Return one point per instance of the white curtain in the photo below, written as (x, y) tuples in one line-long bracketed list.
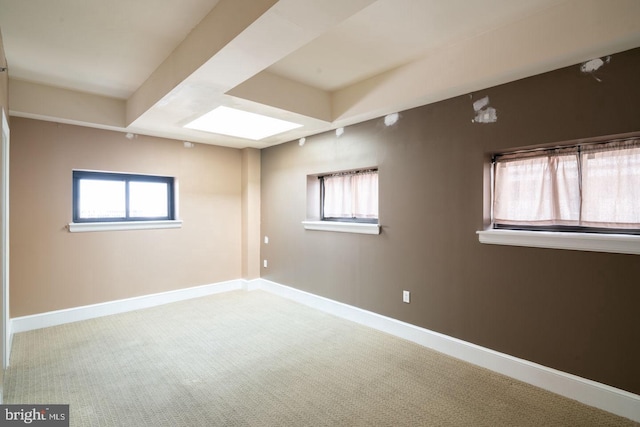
[(337, 196), (611, 185), (596, 186), (353, 195), (538, 191)]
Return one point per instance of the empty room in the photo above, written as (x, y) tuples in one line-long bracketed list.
[(320, 213)]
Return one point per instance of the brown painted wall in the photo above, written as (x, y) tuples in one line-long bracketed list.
[(570, 310), (53, 269)]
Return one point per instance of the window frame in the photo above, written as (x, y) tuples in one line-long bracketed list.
[(578, 149), (577, 240), (321, 178), (314, 221), (78, 175)]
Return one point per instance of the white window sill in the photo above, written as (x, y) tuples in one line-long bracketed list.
[(80, 227), (342, 227), (614, 243)]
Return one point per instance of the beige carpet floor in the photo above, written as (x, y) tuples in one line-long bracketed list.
[(255, 359)]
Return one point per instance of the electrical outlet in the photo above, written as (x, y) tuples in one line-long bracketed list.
[(264, 263), (406, 296), (266, 240)]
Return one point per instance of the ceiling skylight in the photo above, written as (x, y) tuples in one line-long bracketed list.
[(242, 124)]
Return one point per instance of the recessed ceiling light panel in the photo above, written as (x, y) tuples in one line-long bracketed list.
[(242, 124)]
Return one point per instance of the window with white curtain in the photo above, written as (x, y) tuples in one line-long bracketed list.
[(350, 196), (588, 188)]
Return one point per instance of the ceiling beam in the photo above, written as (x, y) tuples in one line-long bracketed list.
[(279, 92), (279, 31), (226, 21), (568, 33), (38, 101)]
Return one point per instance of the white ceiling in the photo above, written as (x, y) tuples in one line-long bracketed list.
[(151, 66)]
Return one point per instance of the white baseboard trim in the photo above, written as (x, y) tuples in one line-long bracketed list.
[(59, 317), (586, 391)]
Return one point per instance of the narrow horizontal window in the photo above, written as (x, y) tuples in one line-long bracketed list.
[(591, 188), (349, 197), (118, 197)]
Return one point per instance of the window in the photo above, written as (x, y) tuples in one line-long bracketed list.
[(591, 188), (118, 197), (350, 197), (345, 202)]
